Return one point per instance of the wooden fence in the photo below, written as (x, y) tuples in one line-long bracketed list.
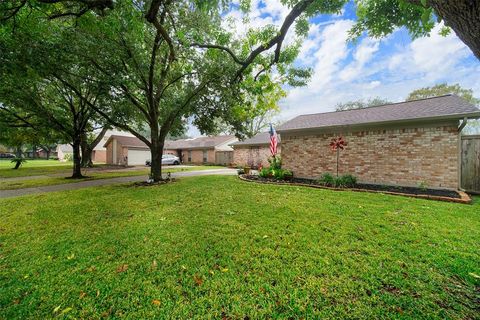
[(470, 165)]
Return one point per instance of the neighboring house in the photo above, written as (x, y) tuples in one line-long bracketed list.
[(64, 152), (254, 152), (213, 149), (409, 143), (99, 153), (132, 151)]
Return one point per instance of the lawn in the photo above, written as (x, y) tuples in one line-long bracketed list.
[(217, 247), (92, 175), (33, 168)]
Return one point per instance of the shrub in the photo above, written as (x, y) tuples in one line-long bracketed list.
[(275, 163), (327, 179), (68, 157), (345, 181), (264, 172)]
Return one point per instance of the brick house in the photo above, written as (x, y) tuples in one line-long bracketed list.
[(255, 151), (124, 150), (407, 143)]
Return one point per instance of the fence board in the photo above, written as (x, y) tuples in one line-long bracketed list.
[(471, 163)]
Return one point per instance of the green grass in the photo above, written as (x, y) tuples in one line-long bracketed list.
[(33, 168), (216, 247), (91, 175)]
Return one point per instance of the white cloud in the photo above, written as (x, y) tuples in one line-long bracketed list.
[(387, 68)]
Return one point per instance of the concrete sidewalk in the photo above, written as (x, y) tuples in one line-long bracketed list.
[(104, 182)]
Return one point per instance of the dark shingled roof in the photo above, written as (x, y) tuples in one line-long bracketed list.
[(259, 139), (442, 107), (195, 143)]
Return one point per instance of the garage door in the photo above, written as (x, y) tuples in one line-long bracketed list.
[(138, 157)]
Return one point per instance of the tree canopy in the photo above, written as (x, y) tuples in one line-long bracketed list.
[(361, 104)]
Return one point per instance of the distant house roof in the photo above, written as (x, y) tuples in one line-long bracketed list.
[(126, 141), (436, 108), (200, 142), (194, 143), (262, 138), (64, 148)]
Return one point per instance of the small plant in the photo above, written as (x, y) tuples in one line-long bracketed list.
[(18, 162), (423, 185), (264, 173), (348, 181), (345, 181), (275, 162), (68, 157), (327, 179)]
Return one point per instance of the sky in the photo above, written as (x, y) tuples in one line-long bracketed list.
[(389, 68)]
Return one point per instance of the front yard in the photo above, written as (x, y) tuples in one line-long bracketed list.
[(217, 247), (99, 172)]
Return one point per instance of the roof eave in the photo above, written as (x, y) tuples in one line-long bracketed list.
[(471, 115)]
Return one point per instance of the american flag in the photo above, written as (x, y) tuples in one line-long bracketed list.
[(273, 141)]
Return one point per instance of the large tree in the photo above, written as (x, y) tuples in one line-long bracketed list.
[(361, 104), (166, 62), (378, 17), (43, 87), (381, 17)]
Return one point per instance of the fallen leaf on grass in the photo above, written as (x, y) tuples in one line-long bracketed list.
[(198, 280), (154, 264), (56, 309), (156, 302), (476, 276), (66, 310), (122, 268), (70, 257), (224, 269), (82, 294)]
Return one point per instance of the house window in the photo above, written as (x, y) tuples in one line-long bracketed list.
[(205, 156), (189, 155)]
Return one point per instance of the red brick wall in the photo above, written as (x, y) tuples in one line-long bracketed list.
[(399, 156), (197, 156)]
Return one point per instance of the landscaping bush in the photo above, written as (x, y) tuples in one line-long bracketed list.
[(327, 179), (264, 172), (275, 163), (275, 170), (345, 181)]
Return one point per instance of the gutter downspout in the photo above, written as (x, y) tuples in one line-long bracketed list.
[(460, 128)]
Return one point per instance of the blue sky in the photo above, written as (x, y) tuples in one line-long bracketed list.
[(389, 68)]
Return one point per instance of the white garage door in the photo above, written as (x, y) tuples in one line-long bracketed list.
[(138, 157)]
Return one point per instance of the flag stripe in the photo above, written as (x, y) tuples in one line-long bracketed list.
[(273, 141)]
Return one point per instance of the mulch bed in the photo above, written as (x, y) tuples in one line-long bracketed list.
[(433, 194)]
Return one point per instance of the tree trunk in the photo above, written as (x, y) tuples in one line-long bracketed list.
[(48, 153), (77, 164), (87, 148), (156, 163), (18, 152), (463, 16), (86, 154)]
